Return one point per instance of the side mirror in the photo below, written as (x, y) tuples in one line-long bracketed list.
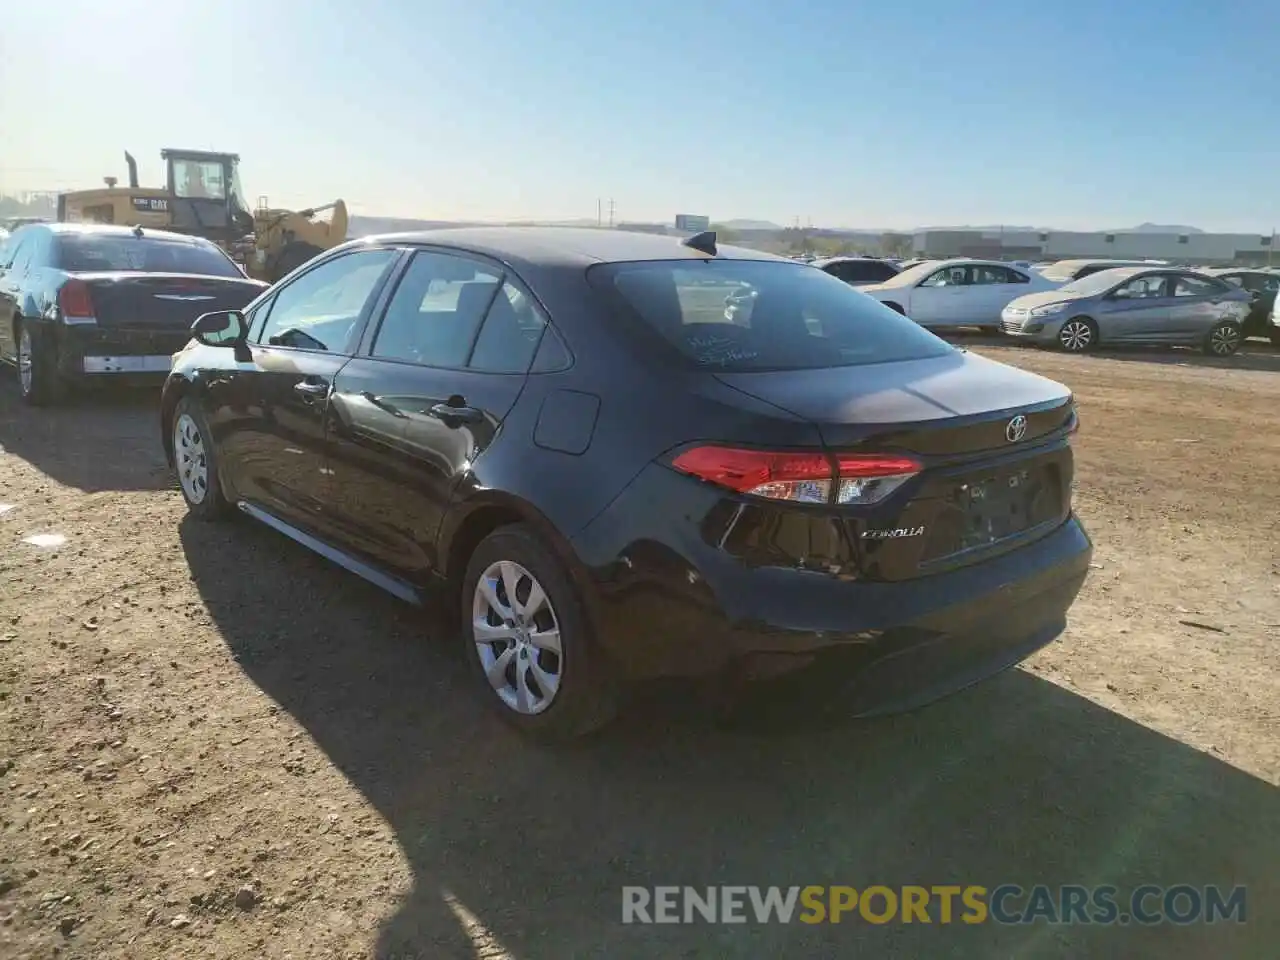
[(222, 328)]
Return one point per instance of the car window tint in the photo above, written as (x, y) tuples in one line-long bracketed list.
[(102, 252), (1194, 287), (319, 310), (761, 315), (1236, 280), (510, 333), (436, 310), (552, 353)]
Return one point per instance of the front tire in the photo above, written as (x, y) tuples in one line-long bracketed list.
[(529, 639), (196, 460), (1224, 339), (1078, 335), (38, 377)]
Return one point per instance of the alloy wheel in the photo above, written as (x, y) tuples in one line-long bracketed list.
[(24, 360), (1224, 340), (517, 637), (189, 454), (1075, 335)]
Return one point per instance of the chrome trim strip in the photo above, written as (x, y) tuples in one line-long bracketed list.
[(397, 588)]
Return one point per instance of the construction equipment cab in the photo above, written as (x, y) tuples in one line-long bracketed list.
[(205, 196)]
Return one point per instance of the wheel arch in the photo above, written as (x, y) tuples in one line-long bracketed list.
[(175, 388), (473, 519)]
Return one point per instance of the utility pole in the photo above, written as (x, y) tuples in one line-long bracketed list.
[(610, 213), (599, 214), (1271, 246)]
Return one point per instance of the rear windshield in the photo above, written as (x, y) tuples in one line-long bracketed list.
[(87, 252), (728, 315)]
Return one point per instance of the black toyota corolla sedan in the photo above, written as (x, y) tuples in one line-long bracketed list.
[(561, 432)]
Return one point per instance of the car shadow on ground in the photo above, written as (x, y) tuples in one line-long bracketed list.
[(1254, 354), (526, 849), (97, 440)]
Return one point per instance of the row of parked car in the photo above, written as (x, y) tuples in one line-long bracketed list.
[(560, 437), (1076, 304)]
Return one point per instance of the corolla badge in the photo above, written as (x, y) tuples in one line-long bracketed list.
[(1016, 429), (894, 534)]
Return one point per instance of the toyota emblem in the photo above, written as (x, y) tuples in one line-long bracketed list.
[(1016, 429)]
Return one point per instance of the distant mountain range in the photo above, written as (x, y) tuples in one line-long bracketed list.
[(363, 226)]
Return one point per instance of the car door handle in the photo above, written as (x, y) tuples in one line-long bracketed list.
[(461, 414), (312, 388)]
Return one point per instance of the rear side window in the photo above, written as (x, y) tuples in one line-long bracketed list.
[(89, 252), (742, 315), (436, 310)]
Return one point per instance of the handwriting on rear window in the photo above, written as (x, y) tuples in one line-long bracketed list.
[(719, 351)]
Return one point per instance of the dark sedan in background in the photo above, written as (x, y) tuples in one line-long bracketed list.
[(558, 432), (82, 301)]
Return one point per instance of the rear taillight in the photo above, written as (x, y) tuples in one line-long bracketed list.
[(853, 479), (74, 302)]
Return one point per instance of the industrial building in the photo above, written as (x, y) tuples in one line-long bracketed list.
[(1001, 244)]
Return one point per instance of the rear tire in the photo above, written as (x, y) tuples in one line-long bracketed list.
[(38, 378), (529, 640), (1078, 335), (895, 306), (1224, 339), (196, 459)]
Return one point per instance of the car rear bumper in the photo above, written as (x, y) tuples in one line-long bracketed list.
[(91, 351), (667, 605)]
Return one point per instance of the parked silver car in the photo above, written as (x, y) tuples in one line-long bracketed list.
[(1133, 305)]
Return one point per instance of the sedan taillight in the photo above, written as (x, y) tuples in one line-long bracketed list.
[(74, 301), (852, 479)]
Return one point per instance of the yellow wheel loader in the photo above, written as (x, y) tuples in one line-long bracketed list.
[(203, 196)]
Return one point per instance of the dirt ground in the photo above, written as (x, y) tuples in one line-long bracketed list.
[(214, 744)]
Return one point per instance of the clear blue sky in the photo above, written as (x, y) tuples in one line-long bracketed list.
[(881, 114)]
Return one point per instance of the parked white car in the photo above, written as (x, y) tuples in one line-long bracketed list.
[(958, 293)]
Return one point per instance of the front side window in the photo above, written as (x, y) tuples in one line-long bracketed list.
[(744, 315), (1142, 288), (436, 310), (948, 277), (320, 309)]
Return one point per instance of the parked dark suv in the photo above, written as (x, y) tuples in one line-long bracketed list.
[(559, 431)]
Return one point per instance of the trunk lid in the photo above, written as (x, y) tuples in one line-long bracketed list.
[(992, 441), (163, 302)]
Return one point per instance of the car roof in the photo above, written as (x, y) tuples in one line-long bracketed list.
[(851, 258), (118, 230), (1263, 271), (542, 247), (967, 262), (1119, 262)]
